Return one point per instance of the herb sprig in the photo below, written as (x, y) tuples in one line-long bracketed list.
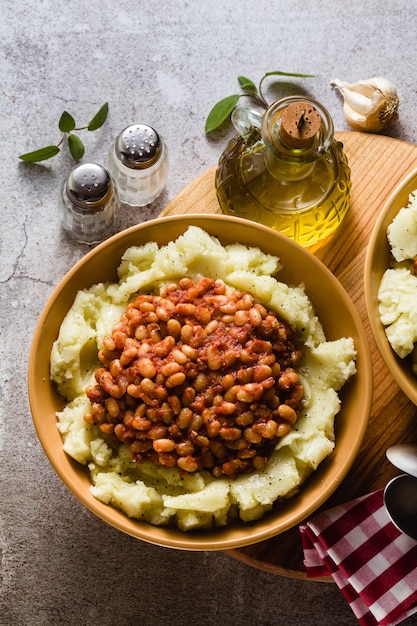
[(224, 108), (68, 128)]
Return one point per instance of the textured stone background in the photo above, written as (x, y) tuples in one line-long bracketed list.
[(165, 63)]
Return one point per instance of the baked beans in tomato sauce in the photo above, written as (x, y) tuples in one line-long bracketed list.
[(200, 377)]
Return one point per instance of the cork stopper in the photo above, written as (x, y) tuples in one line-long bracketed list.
[(299, 125)]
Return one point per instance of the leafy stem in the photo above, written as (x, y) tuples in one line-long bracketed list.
[(68, 128), (223, 109)]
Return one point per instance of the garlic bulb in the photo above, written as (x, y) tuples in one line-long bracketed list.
[(369, 105)]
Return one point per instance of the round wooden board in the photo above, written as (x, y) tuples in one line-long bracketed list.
[(377, 164)]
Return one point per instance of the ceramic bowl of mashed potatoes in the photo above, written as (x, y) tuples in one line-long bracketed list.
[(391, 284), (148, 486)]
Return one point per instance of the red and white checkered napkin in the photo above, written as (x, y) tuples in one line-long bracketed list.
[(373, 563)]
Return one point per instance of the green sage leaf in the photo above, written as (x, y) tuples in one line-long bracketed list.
[(76, 147), (40, 155), (289, 74), (66, 123), (99, 118), (247, 84), (220, 112)]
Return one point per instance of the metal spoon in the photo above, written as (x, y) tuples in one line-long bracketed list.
[(404, 456), (400, 499)]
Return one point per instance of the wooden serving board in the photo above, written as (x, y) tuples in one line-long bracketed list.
[(377, 164)]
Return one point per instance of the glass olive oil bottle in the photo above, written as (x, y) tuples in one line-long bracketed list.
[(286, 170)]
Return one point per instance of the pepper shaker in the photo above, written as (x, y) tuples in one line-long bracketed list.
[(138, 164), (88, 204)]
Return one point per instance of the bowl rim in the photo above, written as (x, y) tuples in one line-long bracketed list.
[(377, 245), (249, 532)]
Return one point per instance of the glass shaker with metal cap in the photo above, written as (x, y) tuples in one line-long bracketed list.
[(88, 204), (138, 164)]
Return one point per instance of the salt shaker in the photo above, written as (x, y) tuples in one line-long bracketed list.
[(88, 204), (138, 164)]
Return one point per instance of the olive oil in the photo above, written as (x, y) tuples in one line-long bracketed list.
[(301, 192)]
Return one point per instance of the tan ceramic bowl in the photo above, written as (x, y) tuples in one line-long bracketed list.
[(339, 318), (378, 259)]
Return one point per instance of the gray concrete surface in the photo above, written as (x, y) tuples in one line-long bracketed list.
[(166, 63)]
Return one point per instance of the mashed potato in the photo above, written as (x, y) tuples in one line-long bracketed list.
[(162, 495), (397, 294)]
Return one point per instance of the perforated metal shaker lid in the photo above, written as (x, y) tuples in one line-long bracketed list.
[(138, 146), (89, 186)]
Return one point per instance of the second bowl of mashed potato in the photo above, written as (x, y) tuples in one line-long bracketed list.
[(391, 284)]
